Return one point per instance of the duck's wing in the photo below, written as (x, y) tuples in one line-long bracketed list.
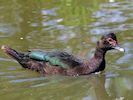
[(56, 58)]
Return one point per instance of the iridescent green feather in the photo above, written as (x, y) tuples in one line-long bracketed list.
[(46, 57)]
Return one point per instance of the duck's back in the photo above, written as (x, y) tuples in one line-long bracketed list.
[(56, 58)]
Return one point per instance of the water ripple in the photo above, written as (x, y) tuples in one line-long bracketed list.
[(116, 15), (25, 80)]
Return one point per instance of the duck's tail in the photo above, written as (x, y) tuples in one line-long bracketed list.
[(23, 59), (12, 53)]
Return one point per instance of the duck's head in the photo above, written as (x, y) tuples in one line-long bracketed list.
[(109, 42)]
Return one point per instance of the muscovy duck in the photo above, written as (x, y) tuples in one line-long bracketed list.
[(57, 62)]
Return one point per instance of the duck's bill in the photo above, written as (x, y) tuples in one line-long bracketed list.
[(119, 48)]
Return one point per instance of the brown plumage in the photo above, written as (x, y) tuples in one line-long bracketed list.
[(64, 63)]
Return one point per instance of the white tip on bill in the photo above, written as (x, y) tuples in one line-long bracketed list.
[(119, 48)]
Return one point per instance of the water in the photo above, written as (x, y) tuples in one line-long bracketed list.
[(73, 26)]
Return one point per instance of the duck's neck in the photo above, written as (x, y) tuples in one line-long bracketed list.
[(99, 53), (99, 58)]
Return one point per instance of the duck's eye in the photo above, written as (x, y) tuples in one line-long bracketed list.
[(109, 40)]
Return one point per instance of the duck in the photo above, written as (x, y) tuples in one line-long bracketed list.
[(63, 63)]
